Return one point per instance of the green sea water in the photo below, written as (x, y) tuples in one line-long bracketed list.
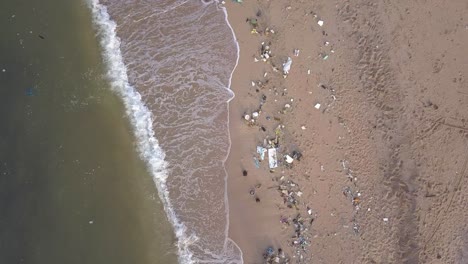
[(72, 187)]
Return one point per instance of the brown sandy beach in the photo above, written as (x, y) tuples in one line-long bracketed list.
[(382, 173)]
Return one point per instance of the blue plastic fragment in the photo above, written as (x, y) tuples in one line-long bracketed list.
[(257, 163), (30, 92), (270, 251)]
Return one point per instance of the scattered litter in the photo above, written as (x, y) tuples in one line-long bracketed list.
[(317, 106), (265, 52), (272, 160), (288, 190), (91, 222), (356, 228), (253, 22), (289, 159), (296, 155), (255, 114), (385, 219), (320, 22), (296, 52), (238, 1), (287, 66), (325, 57), (271, 257), (301, 239), (308, 71), (247, 117), (257, 163), (303, 127), (3, 70), (261, 151), (270, 251), (253, 83)]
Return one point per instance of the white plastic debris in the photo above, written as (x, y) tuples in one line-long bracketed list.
[(91, 222), (296, 52), (385, 219), (287, 66), (309, 211), (3, 70), (256, 60), (261, 151), (303, 127), (287, 106), (255, 114), (289, 159), (320, 22), (272, 160), (299, 193), (308, 71), (247, 117), (317, 106), (253, 83)]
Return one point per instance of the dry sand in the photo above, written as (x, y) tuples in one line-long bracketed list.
[(384, 160)]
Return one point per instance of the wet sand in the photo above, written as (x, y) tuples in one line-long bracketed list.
[(383, 167)]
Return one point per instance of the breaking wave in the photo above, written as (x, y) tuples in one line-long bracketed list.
[(141, 119), (150, 151)]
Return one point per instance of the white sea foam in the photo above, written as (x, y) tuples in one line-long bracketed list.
[(141, 119)]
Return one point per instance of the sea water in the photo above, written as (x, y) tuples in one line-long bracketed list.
[(171, 62), (73, 188)]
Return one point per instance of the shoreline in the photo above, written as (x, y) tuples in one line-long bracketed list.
[(362, 103)]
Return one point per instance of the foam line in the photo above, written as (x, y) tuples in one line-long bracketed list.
[(226, 17), (141, 119)]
